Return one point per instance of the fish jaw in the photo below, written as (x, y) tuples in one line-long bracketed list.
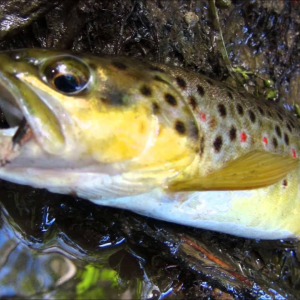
[(51, 137), (47, 120)]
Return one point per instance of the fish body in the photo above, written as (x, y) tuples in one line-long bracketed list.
[(151, 138)]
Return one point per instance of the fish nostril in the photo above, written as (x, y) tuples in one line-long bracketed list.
[(17, 54)]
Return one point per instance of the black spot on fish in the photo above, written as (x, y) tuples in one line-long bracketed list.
[(119, 65), (286, 139), (146, 91), (202, 144), (181, 82), (218, 142), (222, 110), (284, 182), (230, 95), (278, 131), (192, 102), (275, 142), (240, 109), (200, 90), (252, 116), (155, 108), (171, 99), (209, 82), (180, 127), (114, 98), (157, 69), (232, 134)]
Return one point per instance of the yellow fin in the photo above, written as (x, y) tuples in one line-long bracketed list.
[(253, 170)]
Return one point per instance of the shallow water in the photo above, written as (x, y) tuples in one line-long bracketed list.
[(37, 266)]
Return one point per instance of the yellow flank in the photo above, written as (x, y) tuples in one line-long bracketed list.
[(115, 135), (165, 149)]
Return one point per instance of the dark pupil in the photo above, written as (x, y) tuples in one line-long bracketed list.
[(67, 83)]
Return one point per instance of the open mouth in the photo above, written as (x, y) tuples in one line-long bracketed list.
[(14, 128), (14, 123), (33, 87), (29, 110)]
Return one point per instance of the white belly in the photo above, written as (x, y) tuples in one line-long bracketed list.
[(213, 210), (266, 213)]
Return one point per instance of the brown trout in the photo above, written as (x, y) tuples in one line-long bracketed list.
[(154, 139)]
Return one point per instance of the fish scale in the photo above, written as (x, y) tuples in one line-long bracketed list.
[(151, 138)]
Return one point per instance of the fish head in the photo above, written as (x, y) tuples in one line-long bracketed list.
[(87, 110)]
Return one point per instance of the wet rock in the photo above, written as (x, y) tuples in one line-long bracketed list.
[(17, 14)]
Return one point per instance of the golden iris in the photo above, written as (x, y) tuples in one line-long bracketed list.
[(66, 74)]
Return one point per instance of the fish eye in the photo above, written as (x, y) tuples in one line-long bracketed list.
[(66, 74)]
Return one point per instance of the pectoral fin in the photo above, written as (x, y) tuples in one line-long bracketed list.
[(254, 170)]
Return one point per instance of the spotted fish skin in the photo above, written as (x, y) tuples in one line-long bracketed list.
[(151, 138), (232, 123)]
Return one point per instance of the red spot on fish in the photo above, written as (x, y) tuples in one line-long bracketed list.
[(294, 153), (265, 140), (202, 116), (243, 137)]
